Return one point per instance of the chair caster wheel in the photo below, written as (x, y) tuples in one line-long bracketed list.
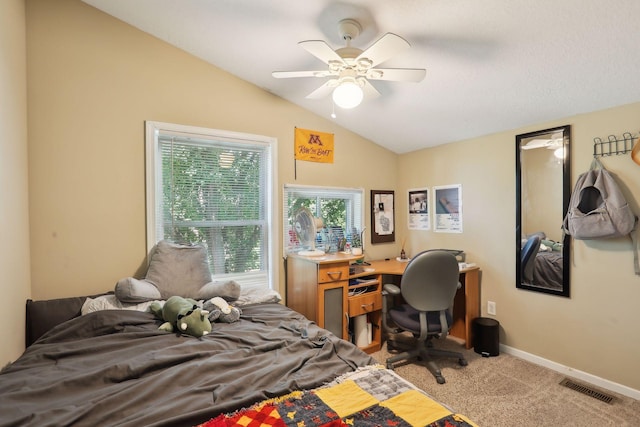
[(463, 362), (440, 379), (390, 366)]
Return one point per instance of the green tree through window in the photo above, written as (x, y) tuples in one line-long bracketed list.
[(339, 208), (202, 203), (216, 191)]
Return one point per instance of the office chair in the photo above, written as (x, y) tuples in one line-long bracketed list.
[(528, 258), (428, 287)]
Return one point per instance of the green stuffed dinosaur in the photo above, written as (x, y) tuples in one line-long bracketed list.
[(184, 315)]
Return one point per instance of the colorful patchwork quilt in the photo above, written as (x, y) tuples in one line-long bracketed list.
[(370, 396)]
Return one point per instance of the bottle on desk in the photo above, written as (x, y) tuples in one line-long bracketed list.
[(403, 254)]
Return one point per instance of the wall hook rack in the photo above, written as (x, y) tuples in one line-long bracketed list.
[(613, 146)]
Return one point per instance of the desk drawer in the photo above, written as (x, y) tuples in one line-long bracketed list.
[(365, 303), (333, 273)]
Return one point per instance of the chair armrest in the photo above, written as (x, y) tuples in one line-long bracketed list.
[(391, 289)]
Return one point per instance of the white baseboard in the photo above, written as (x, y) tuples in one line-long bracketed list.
[(574, 373)]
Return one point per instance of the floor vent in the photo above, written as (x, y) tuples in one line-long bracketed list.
[(580, 388)]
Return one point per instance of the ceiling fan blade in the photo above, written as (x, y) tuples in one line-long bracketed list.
[(321, 50), (323, 90), (384, 48), (369, 90), (397, 74), (554, 142), (291, 74), (536, 143)]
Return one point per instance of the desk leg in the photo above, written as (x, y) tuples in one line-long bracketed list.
[(466, 307), (473, 302)]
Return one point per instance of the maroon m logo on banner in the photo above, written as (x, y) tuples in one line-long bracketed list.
[(315, 139)]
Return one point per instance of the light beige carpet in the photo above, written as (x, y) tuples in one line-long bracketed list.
[(508, 391)]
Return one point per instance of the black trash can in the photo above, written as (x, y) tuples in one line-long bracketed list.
[(486, 336)]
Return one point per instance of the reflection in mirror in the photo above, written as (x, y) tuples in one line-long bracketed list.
[(543, 189)]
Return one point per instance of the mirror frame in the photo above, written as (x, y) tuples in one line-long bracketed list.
[(566, 194)]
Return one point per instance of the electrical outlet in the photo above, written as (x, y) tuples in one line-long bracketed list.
[(491, 308)]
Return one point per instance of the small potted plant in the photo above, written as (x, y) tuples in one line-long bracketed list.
[(356, 243)]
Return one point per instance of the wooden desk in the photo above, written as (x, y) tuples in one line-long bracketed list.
[(466, 305), (318, 287)]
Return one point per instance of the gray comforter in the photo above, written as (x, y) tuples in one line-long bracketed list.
[(547, 270), (115, 368)]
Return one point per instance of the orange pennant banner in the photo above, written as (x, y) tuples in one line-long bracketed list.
[(313, 146)]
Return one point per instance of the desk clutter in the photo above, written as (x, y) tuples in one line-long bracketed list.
[(361, 331), (358, 268), (363, 285), (458, 253)]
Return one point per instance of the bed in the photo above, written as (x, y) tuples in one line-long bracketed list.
[(547, 270), (114, 367)]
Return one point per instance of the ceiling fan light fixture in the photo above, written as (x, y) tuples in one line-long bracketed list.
[(348, 94), (559, 153)]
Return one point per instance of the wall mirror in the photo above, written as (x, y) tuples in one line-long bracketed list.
[(543, 189)]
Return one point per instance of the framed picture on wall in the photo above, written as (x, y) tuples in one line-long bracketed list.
[(419, 209), (447, 208), (382, 217)]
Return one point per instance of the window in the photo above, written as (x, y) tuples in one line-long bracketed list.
[(340, 209), (216, 188)]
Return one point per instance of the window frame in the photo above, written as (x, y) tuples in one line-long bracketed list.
[(153, 181), (315, 191)]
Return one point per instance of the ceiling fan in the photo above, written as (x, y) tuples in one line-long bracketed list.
[(350, 69), (555, 143)]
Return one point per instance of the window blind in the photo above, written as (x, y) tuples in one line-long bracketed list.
[(216, 191)]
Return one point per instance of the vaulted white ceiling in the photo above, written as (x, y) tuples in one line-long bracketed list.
[(492, 65)]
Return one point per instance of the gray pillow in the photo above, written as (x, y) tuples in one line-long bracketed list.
[(176, 269)]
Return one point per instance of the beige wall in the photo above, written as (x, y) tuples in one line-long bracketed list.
[(14, 209), (93, 81), (594, 331)]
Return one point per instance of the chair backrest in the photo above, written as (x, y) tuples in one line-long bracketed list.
[(528, 258), (430, 281)]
